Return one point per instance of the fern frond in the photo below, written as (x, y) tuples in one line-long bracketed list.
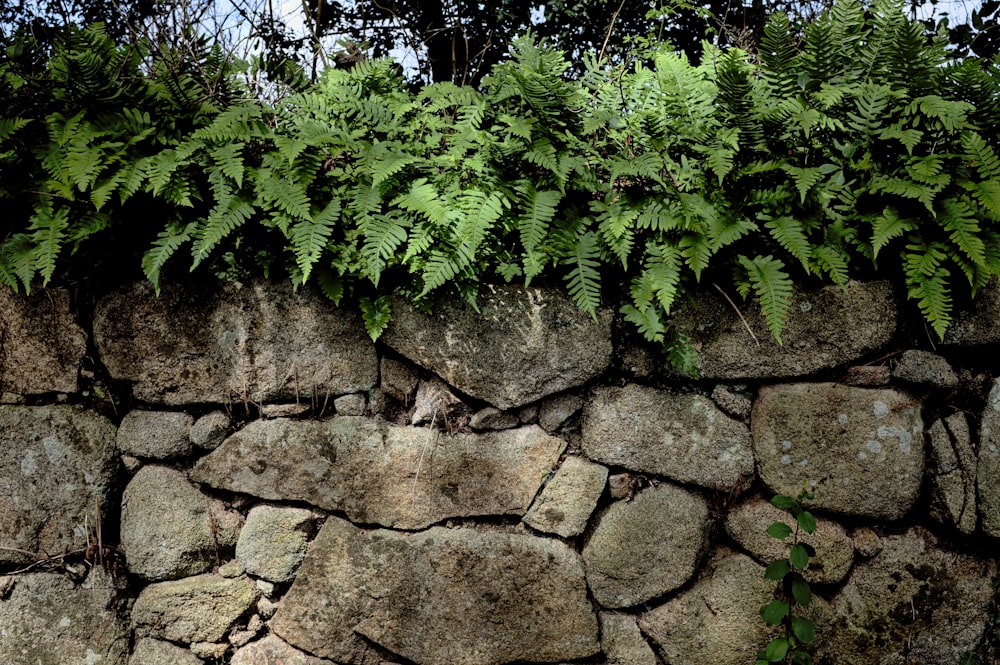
[(981, 155), (584, 278), (833, 261), (376, 314), (17, 262), (767, 277), (423, 198), (887, 226), (382, 234), (789, 233), (959, 220), (804, 177), (309, 237), (48, 229), (168, 241), (927, 283), (539, 209), (646, 320), (225, 218)]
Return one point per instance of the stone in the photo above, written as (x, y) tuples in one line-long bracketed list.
[(988, 465), (953, 483), (718, 620), (169, 529), (622, 485), (350, 405), (158, 652), (399, 380), (924, 368), (378, 473), (436, 404), (683, 437), (622, 642), (522, 345), (57, 474), (867, 543), (977, 325), (273, 541), (266, 608), (555, 411), (566, 503), (209, 431), (867, 376), (456, 596), (283, 410), (914, 598), (263, 342), (493, 418), (231, 569), (47, 620), (647, 547), (155, 434), (41, 344), (732, 401), (747, 524), (827, 327), (273, 651), (241, 636), (195, 609), (210, 651), (861, 450)]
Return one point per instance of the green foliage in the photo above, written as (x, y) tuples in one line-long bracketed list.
[(856, 148), (797, 633)]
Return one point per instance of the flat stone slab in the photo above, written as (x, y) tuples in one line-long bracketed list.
[(272, 651), (567, 501), (41, 344), (827, 327), (953, 484), (861, 451), (57, 468), (263, 342), (523, 343), (439, 596), (195, 609), (377, 473), (683, 437), (644, 548), (155, 434), (988, 464)]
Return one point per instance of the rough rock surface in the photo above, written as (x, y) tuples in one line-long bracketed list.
[(157, 652), (403, 477), (399, 380), (194, 609), (273, 541), (440, 596), (865, 312), (46, 620), (555, 411), (262, 342), (977, 325), (522, 345), (912, 597), (644, 548), (622, 642), (33, 360), (155, 434), (924, 367), (718, 620), (567, 501), (747, 525), (272, 651), (169, 529), (988, 466), (862, 451), (953, 485), (209, 431), (435, 403), (684, 437), (57, 465), (493, 418)]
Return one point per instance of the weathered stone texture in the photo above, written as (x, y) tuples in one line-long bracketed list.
[(403, 477), (567, 501), (262, 342), (273, 541), (209, 431), (865, 316), (155, 434), (622, 642), (978, 324), (169, 529), (157, 652), (440, 596), (41, 344), (194, 609), (272, 651), (57, 469), (522, 345), (683, 437), (644, 548), (861, 451), (46, 620), (988, 466), (747, 525), (953, 483), (924, 367)]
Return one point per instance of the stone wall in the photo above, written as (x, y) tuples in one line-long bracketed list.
[(241, 476)]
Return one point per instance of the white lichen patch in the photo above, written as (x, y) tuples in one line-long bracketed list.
[(786, 445), (785, 459), (880, 409), (28, 465), (842, 418)]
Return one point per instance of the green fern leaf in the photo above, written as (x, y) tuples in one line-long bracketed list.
[(224, 219), (539, 209), (887, 226), (981, 155), (833, 261), (647, 320), (789, 233), (584, 279), (927, 283), (309, 237), (958, 219), (987, 193), (376, 314), (382, 235), (229, 159), (423, 198), (767, 277), (167, 243), (49, 231), (17, 262)]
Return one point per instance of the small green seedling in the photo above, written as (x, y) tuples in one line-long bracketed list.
[(798, 632)]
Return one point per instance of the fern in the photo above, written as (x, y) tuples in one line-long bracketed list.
[(788, 232), (309, 237), (767, 278), (166, 244), (927, 282), (584, 280), (376, 313)]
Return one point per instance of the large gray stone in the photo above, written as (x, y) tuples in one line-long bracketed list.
[(272, 651), (169, 529), (41, 344), (57, 470), (644, 548), (977, 325), (747, 525), (261, 342), (273, 541), (155, 434), (827, 327), (924, 368), (911, 598), (953, 484), (47, 620), (377, 473), (622, 642), (683, 437), (523, 343), (988, 466), (567, 501), (194, 609), (861, 451), (157, 652), (454, 596)]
